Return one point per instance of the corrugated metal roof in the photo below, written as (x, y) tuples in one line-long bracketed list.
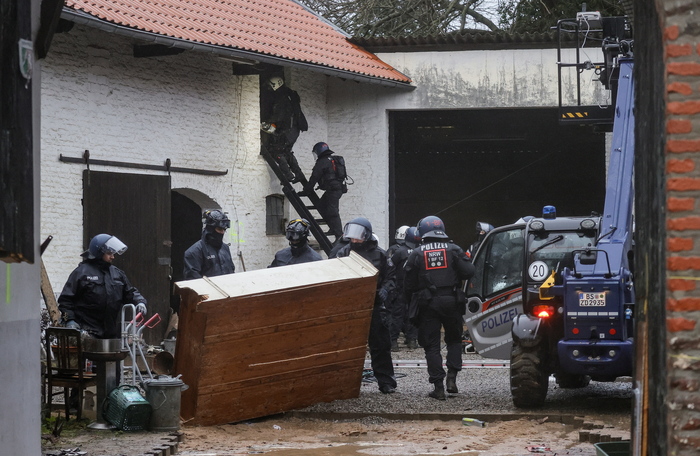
[(272, 30)]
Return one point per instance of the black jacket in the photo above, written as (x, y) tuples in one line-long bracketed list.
[(370, 251), (203, 259), (323, 174), (94, 296), (399, 254), (278, 107), (437, 265), (295, 256)]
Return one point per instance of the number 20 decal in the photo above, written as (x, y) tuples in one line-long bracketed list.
[(538, 270)]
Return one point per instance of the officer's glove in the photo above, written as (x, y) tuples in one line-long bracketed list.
[(141, 308), (72, 324), (383, 294), (268, 127)]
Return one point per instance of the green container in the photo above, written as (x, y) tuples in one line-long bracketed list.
[(622, 448), (126, 409)]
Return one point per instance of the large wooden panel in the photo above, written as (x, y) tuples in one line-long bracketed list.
[(262, 342)]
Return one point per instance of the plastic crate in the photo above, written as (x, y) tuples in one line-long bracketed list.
[(126, 409), (622, 448)]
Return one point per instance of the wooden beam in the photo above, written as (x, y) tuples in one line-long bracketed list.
[(47, 290), (49, 297)]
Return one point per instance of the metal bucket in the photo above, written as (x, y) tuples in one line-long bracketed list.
[(163, 393), (103, 349), (163, 363), (169, 345)]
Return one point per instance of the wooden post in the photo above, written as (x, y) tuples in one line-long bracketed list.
[(49, 297)]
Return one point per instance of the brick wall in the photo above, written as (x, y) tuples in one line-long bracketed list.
[(682, 57)]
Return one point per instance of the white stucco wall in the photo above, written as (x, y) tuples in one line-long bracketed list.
[(188, 107), (490, 79), (191, 109), (358, 113)]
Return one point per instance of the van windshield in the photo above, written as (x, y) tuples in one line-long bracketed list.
[(554, 248)]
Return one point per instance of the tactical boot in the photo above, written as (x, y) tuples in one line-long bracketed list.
[(451, 381), (395, 346), (412, 344), (438, 393)]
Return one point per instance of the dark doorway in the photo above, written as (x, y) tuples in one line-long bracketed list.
[(186, 229), (136, 209), (491, 165)]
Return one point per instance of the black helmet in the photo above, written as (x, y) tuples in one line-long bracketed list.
[(432, 227), (413, 240), (104, 243), (216, 219), (358, 228), (297, 230), (319, 149)]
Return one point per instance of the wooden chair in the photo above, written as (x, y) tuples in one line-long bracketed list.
[(65, 366)]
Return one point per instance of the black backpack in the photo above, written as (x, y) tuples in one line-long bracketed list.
[(341, 171)]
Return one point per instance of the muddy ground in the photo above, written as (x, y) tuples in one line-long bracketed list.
[(289, 435), (407, 422)]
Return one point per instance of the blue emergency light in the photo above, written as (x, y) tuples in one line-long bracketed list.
[(549, 212)]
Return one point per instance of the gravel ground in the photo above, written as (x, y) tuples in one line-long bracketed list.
[(483, 391), (484, 394)]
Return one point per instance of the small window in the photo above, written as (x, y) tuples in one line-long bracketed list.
[(275, 218)]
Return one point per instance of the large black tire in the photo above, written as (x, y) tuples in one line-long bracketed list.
[(572, 381), (528, 378)]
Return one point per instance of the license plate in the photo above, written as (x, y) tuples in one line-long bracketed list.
[(591, 299)]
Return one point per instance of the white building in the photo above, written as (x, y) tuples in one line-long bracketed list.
[(200, 111)]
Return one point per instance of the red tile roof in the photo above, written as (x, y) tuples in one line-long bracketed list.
[(273, 29)]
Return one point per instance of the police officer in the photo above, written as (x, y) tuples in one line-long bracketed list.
[(482, 229), (210, 256), (434, 272), (327, 179), (299, 251), (398, 253), (359, 233), (281, 123), (410, 331), (96, 291)]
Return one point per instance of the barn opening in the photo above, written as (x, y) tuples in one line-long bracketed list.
[(491, 165)]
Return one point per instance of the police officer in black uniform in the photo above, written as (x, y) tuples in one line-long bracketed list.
[(434, 272), (280, 122), (327, 179), (96, 291), (359, 233), (299, 251), (482, 229), (210, 256), (398, 253)]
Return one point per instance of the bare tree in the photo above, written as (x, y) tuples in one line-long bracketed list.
[(373, 18), (392, 18), (540, 15)]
